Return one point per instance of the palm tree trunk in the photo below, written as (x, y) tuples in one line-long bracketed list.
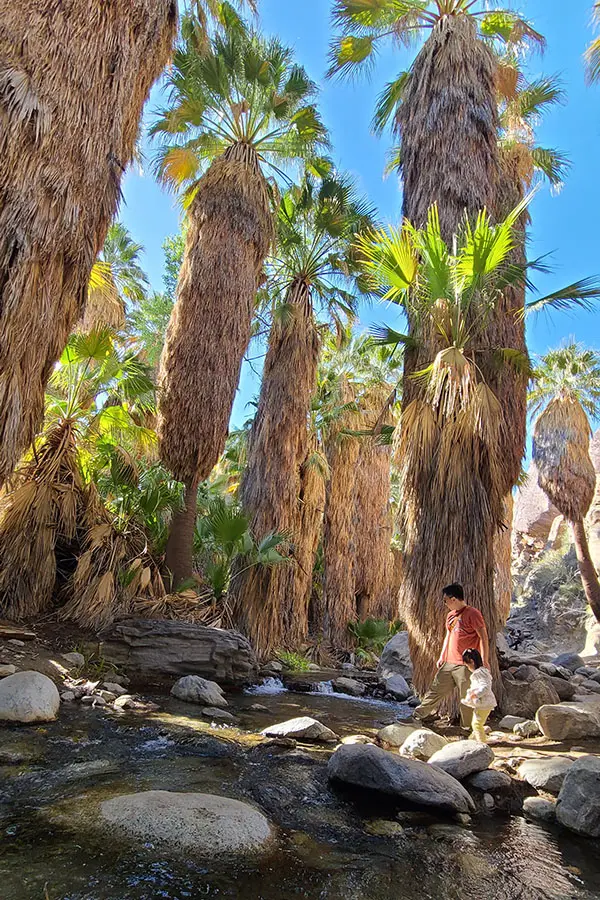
[(448, 125), (179, 549), (503, 563), (589, 576), (71, 113), (264, 598)]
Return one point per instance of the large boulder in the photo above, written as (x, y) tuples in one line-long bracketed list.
[(422, 744), (565, 723), (194, 689), (578, 806), (191, 823), (490, 781), (397, 686), (302, 729), (546, 774), (565, 690), (463, 758), (350, 686), (395, 734), (395, 658), (164, 647), (523, 698), (28, 697), (571, 661), (404, 780)]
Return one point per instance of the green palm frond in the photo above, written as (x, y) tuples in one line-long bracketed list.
[(581, 294), (570, 372)]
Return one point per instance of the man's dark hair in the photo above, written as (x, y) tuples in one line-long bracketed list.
[(473, 656), (455, 591)]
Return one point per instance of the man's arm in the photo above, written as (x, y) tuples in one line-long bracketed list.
[(442, 656), (484, 644)]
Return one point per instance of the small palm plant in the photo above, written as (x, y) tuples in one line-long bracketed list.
[(566, 394)]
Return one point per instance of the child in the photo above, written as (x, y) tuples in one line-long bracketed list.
[(479, 696)]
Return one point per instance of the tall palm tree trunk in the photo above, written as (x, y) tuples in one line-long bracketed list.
[(272, 485), (73, 81), (179, 549), (587, 570), (229, 234), (448, 125)]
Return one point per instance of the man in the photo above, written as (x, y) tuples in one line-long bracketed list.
[(465, 630)]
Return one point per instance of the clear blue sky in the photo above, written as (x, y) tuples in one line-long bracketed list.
[(565, 224)]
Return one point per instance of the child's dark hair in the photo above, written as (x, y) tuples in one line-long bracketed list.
[(473, 656), (455, 591)]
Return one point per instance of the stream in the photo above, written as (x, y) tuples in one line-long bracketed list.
[(328, 846)]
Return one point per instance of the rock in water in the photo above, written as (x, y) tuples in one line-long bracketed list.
[(539, 809), (422, 744), (578, 806), (563, 723), (545, 774), (194, 689), (370, 768), (218, 715), (463, 758), (28, 697), (395, 659), (302, 729), (348, 686), (398, 687), (490, 781), (163, 647), (201, 823)]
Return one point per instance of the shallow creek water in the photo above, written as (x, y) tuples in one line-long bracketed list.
[(328, 845)]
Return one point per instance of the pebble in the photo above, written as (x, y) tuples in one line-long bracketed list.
[(67, 696), (488, 801), (7, 670), (258, 707), (15, 642)]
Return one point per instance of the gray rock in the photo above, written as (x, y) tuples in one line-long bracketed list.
[(565, 690), (564, 673), (571, 661), (527, 729), (258, 707), (591, 685), (93, 700), (462, 758), (509, 722), (422, 744), (563, 723), (117, 689), (75, 660), (545, 774), (523, 698), (164, 647), (108, 696), (200, 823), (6, 670), (394, 735), (578, 806), (539, 809), (371, 768), (275, 666), (588, 671), (526, 673), (194, 689), (28, 697), (549, 669), (348, 686), (126, 701), (398, 687), (114, 678), (395, 658), (218, 715), (488, 801), (490, 780), (302, 729), (67, 696)]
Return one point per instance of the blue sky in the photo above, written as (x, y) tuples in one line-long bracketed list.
[(564, 224)]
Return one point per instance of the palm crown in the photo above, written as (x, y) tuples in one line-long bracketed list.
[(570, 372), (243, 89)]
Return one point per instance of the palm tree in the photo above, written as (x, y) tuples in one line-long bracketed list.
[(592, 55), (72, 109), (566, 393), (235, 108), (312, 275)]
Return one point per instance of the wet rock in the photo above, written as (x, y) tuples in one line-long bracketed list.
[(194, 689), (539, 809), (527, 729), (67, 696), (28, 697), (462, 758), (422, 744), (302, 729), (545, 774), (571, 661), (525, 698), (509, 722), (6, 670), (578, 806), (164, 647), (563, 723), (357, 739), (258, 707), (394, 735), (93, 700), (114, 678), (200, 823), (76, 660), (218, 715), (390, 775), (397, 686), (384, 828), (490, 781), (117, 689), (302, 687), (395, 658), (348, 686)]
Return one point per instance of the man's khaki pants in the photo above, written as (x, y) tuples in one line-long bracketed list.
[(448, 678)]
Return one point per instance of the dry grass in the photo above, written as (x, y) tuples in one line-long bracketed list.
[(269, 602), (70, 109), (229, 234)]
